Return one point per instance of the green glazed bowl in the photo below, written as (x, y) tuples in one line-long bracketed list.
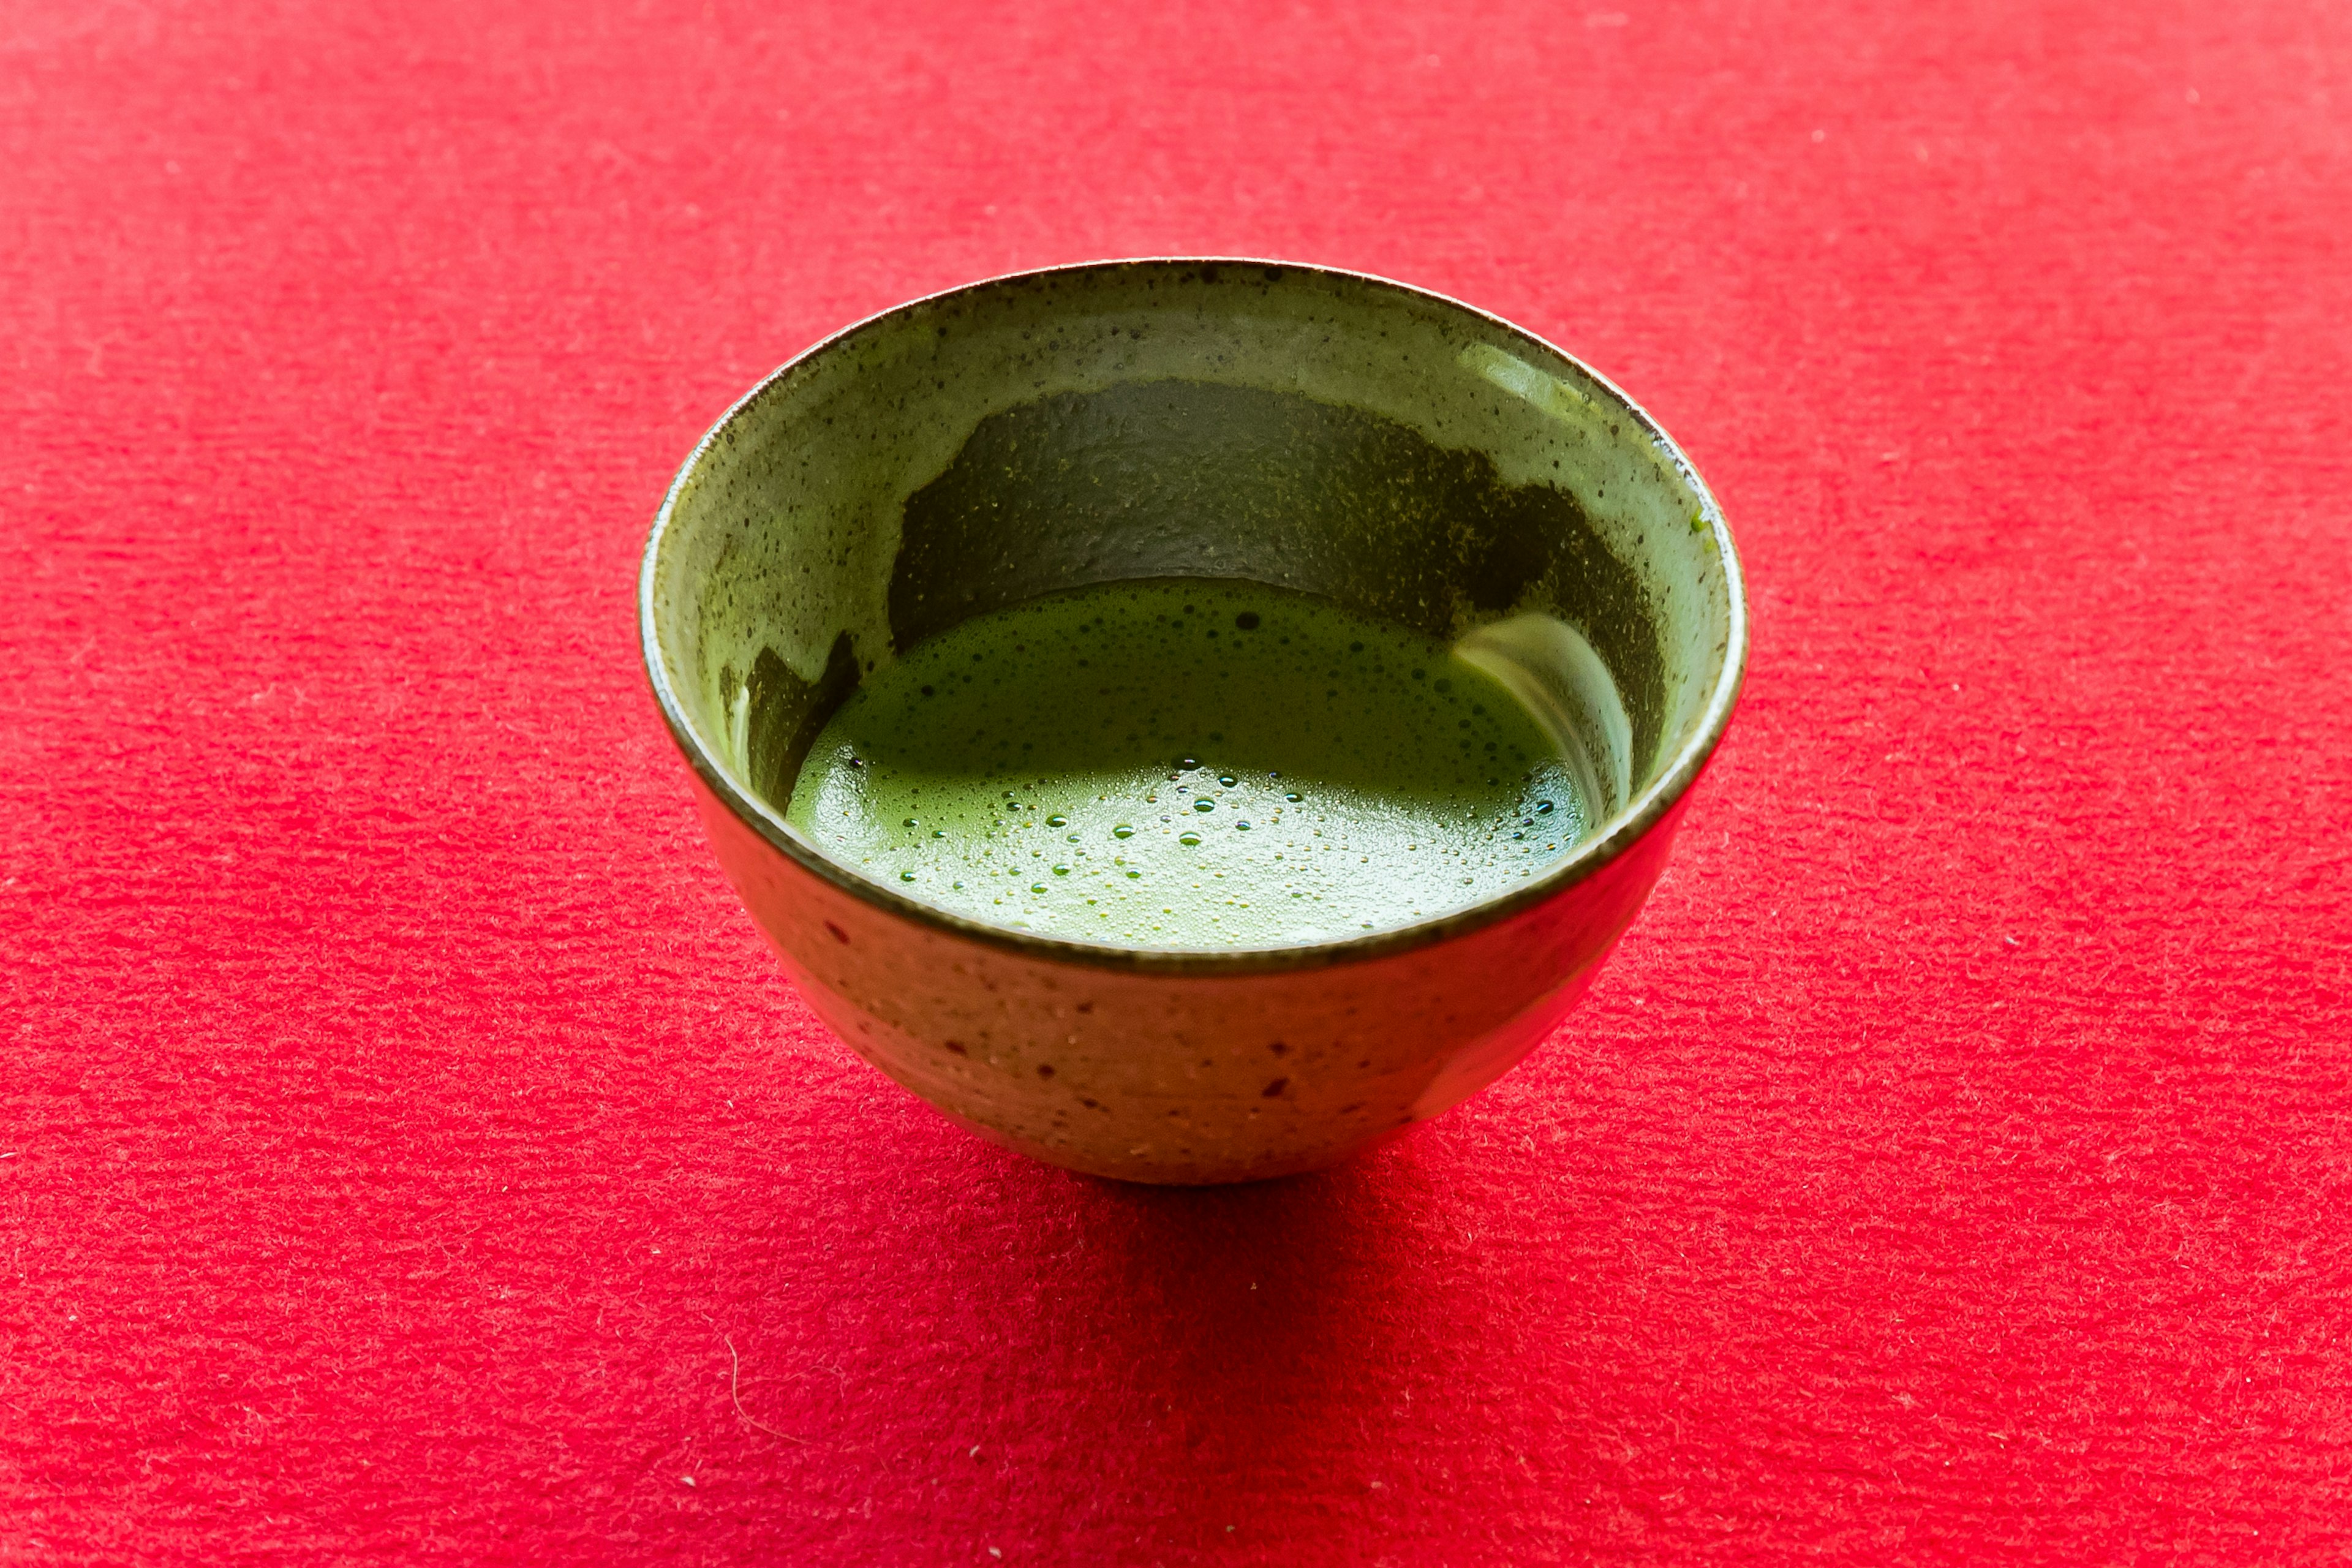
[(1398, 452)]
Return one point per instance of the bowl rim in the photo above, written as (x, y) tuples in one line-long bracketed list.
[(1623, 831)]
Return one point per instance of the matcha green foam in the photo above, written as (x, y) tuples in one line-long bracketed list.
[(1188, 764)]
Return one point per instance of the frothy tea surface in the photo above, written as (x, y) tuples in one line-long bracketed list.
[(1188, 764)]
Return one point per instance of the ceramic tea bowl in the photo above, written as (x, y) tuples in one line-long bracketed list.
[(1395, 451)]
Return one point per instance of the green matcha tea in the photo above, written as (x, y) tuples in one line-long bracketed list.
[(1188, 764)]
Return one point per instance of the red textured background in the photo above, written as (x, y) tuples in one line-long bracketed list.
[(403, 1134)]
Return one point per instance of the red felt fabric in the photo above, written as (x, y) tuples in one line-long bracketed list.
[(408, 1152)]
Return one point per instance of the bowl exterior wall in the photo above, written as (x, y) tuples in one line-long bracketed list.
[(1146, 1073)]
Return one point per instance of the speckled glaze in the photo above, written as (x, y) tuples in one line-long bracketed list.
[(1318, 430)]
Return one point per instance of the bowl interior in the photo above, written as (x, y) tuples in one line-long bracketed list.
[(1337, 435)]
